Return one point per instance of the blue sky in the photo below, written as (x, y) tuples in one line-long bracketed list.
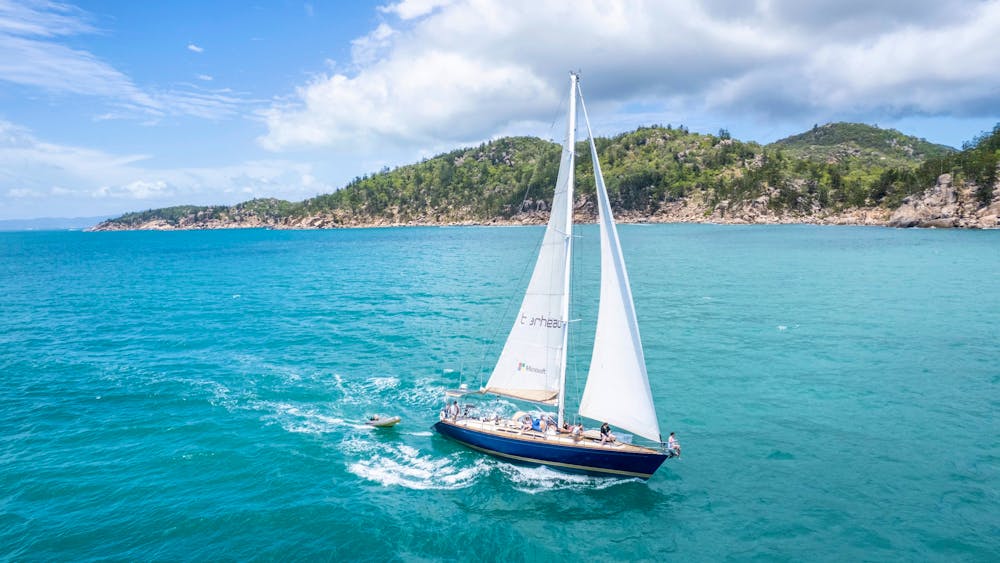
[(109, 107)]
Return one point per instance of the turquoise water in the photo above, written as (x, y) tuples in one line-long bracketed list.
[(198, 395)]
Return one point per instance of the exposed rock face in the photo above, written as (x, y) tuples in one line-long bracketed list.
[(759, 211), (948, 206)]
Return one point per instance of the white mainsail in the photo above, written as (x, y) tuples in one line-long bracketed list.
[(617, 389), (533, 361)]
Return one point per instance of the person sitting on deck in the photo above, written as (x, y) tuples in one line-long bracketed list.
[(547, 422), (673, 446), (525, 422), (577, 432), (606, 435), (537, 424)]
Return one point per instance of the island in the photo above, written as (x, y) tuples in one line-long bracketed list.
[(837, 174)]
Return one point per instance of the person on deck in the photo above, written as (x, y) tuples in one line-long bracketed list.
[(525, 423), (548, 422), (673, 446), (606, 435), (453, 410)]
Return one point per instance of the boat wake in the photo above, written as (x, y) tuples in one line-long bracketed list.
[(534, 480), (381, 389), (401, 465), (304, 420), (405, 466)]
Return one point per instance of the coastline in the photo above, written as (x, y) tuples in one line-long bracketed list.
[(874, 217), (943, 206)]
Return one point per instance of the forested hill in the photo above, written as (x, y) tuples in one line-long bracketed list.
[(653, 173), (839, 141)]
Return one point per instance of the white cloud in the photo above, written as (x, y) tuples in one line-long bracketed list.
[(205, 77), (195, 48), (138, 189), (54, 67), (366, 50), (39, 178), (445, 72), (31, 54), (941, 69), (400, 104), (46, 20), (410, 9), (23, 193)]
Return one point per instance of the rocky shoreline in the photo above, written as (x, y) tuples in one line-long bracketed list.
[(943, 206)]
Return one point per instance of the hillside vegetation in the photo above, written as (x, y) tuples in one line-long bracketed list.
[(830, 168), (837, 142)]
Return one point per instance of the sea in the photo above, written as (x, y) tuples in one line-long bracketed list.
[(201, 395)]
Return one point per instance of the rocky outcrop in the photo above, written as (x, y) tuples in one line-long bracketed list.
[(759, 211), (948, 206)]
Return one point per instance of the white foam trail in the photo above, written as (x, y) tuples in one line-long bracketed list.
[(383, 383), (394, 465), (350, 392), (301, 420), (424, 398), (534, 480), (221, 395), (405, 466)]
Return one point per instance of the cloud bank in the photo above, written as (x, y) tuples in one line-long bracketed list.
[(438, 71)]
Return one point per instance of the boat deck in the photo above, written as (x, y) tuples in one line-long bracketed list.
[(512, 429)]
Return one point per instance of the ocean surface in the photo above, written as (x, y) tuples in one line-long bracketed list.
[(200, 396)]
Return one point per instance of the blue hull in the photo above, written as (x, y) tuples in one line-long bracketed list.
[(603, 461)]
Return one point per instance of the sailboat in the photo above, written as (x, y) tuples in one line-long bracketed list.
[(532, 364)]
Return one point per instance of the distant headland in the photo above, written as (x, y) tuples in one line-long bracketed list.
[(838, 174)]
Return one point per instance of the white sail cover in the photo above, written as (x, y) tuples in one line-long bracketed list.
[(533, 359), (617, 389)]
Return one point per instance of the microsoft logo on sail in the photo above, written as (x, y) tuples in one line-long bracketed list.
[(523, 367)]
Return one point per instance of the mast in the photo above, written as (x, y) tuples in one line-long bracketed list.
[(571, 143)]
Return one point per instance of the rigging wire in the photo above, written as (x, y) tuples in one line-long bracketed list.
[(555, 116)]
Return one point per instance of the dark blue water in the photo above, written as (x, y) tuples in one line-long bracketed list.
[(199, 395)]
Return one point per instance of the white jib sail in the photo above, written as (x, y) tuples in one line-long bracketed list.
[(531, 363), (617, 389)]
